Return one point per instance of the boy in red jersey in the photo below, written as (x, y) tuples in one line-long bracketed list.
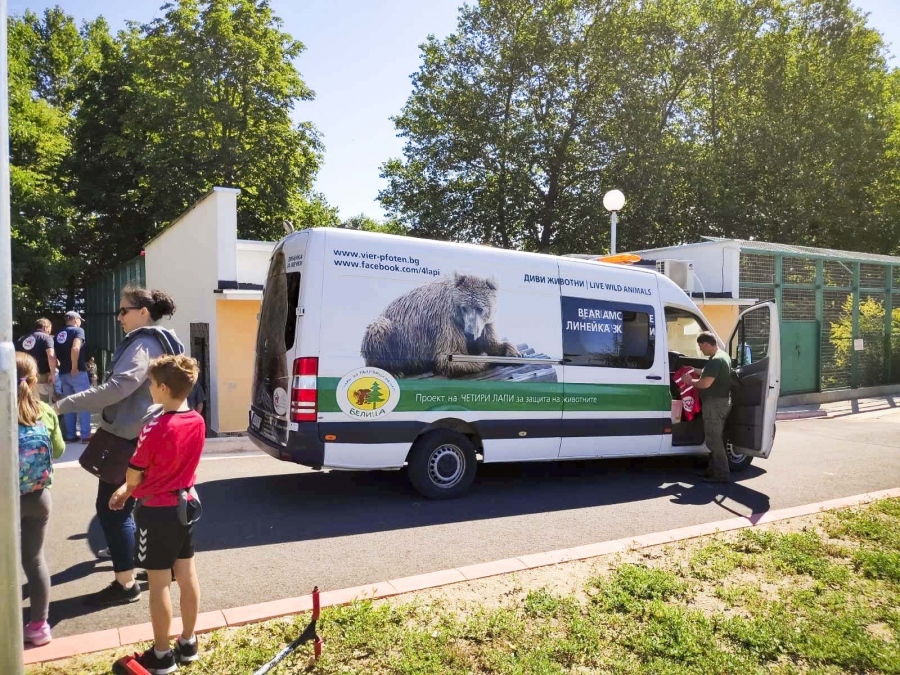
[(161, 476)]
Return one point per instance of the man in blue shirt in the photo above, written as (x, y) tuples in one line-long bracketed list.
[(73, 374), (39, 343)]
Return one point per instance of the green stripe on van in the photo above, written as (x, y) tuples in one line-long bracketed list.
[(424, 395)]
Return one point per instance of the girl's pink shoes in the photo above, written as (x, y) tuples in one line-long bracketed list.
[(37, 633)]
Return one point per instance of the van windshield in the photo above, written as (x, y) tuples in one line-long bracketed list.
[(276, 335)]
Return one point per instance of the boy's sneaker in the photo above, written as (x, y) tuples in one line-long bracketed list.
[(186, 652), (104, 553), (39, 633), (156, 665), (114, 594)]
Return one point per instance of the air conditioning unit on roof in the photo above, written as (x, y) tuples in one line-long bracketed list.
[(679, 271)]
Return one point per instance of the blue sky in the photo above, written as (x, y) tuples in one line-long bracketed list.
[(358, 59)]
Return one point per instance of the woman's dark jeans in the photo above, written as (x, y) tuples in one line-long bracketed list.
[(118, 527)]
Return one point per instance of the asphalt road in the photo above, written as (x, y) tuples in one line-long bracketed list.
[(272, 530)]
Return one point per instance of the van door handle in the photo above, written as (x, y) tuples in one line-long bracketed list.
[(654, 377)]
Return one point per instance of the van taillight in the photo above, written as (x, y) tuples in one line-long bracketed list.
[(303, 390)]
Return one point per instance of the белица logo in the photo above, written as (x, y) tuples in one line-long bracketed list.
[(368, 393)]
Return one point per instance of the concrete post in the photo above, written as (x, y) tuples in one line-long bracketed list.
[(10, 594)]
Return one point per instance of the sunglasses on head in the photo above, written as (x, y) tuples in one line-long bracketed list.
[(124, 310)]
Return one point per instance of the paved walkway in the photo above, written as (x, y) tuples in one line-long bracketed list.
[(228, 445), (238, 616), (840, 408)]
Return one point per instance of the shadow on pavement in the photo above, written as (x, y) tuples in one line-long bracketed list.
[(703, 493), (278, 508), (68, 608)]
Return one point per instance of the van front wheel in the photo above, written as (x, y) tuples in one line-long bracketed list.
[(442, 464)]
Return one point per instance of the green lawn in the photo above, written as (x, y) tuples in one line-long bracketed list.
[(822, 598)]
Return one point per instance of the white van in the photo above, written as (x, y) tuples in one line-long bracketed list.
[(378, 352)]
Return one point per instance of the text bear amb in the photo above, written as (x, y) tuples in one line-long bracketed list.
[(395, 352), (420, 330)]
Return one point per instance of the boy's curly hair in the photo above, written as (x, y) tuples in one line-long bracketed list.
[(178, 373)]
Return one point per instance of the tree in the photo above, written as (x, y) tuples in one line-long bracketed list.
[(752, 120), (367, 224), (317, 212), (199, 97), (498, 142), (375, 395), (871, 330), (47, 57)]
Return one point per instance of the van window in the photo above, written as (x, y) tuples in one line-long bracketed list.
[(293, 297), (277, 332), (607, 334), (751, 344), (682, 329)]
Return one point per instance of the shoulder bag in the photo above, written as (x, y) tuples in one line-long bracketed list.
[(107, 456)]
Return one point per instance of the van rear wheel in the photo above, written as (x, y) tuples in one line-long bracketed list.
[(442, 464)]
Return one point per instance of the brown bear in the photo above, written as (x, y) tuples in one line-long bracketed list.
[(417, 332)]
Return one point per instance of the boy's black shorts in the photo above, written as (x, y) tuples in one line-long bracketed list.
[(161, 539)]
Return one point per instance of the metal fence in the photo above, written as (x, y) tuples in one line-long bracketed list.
[(101, 304), (840, 318)]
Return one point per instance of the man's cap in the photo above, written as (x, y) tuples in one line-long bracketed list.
[(73, 315)]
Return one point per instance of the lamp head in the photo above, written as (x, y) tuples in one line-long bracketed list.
[(613, 200)]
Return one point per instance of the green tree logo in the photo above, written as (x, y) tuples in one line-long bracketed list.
[(375, 395)]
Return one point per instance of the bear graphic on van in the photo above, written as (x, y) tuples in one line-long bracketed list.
[(417, 332)]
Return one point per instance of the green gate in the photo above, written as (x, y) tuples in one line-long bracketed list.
[(799, 357), (851, 300), (101, 305)]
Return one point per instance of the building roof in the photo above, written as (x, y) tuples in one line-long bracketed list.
[(807, 251)]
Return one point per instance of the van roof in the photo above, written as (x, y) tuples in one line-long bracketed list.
[(353, 233)]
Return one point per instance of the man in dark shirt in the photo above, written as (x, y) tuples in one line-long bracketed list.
[(73, 374), (39, 343), (714, 385), (197, 398)]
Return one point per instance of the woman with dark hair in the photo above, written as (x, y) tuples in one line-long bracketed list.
[(123, 402)]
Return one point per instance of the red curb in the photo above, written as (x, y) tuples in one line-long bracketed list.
[(492, 569), (534, 560), (595, 550), (420, 582), (239, 616), (75, 645)]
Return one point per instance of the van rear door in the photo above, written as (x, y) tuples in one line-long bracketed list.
[(278, 332), (755, 349)]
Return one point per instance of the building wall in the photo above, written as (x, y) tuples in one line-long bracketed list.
[(722, 318), (716, 264), (253, 261), (236, 347), (187, 260)]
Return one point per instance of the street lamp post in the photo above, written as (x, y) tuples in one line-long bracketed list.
[(613, 201)]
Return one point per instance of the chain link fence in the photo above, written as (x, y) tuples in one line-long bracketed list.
[(854, 304)]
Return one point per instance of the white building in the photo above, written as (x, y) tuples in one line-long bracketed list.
[(216, 281)]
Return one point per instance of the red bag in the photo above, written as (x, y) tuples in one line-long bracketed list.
[(689, 399)]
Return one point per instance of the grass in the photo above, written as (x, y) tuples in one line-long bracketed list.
[(824, 600)]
